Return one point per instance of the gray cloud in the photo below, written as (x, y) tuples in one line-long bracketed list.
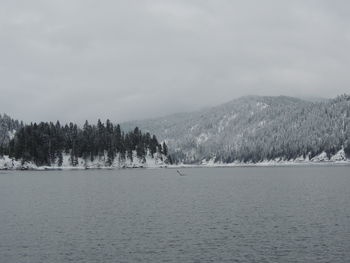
[(83, 59)]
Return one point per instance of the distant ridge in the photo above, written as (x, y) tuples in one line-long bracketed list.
[(254, 129)]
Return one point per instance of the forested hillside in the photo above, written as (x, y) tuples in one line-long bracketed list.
[(46, 143), (253, 129), (248, 129)]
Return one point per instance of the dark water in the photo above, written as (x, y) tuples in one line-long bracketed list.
[(299, 214)]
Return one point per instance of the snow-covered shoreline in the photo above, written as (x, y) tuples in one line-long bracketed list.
[(262, 164), (158, 161), (322, 159), (177, 166)]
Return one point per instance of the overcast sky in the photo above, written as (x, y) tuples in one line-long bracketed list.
[(81, 59)]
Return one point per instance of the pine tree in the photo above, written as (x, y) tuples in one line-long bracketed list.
[(165, 149)]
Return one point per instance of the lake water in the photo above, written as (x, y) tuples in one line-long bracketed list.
[(299, 214)]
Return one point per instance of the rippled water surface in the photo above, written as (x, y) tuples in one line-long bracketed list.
[(299, 214)]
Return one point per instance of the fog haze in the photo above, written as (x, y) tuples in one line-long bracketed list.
[(124, 60)]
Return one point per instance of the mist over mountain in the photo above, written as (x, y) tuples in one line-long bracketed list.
[(254, 128)]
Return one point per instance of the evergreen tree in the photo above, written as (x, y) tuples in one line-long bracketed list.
[(164, 149)]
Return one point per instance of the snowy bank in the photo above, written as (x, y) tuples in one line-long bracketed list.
[(322, 159), (158, 160)]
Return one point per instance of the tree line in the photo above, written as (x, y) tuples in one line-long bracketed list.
[(45, 143)]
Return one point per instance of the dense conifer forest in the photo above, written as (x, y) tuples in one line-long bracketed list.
[(254, 129), (45, 143), (248, 129)]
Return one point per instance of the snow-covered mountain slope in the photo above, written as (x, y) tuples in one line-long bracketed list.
[(254, 129)]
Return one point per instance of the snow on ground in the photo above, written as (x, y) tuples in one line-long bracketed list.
[(338, 158), (158, 160), (9, 163), (322, 157)]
